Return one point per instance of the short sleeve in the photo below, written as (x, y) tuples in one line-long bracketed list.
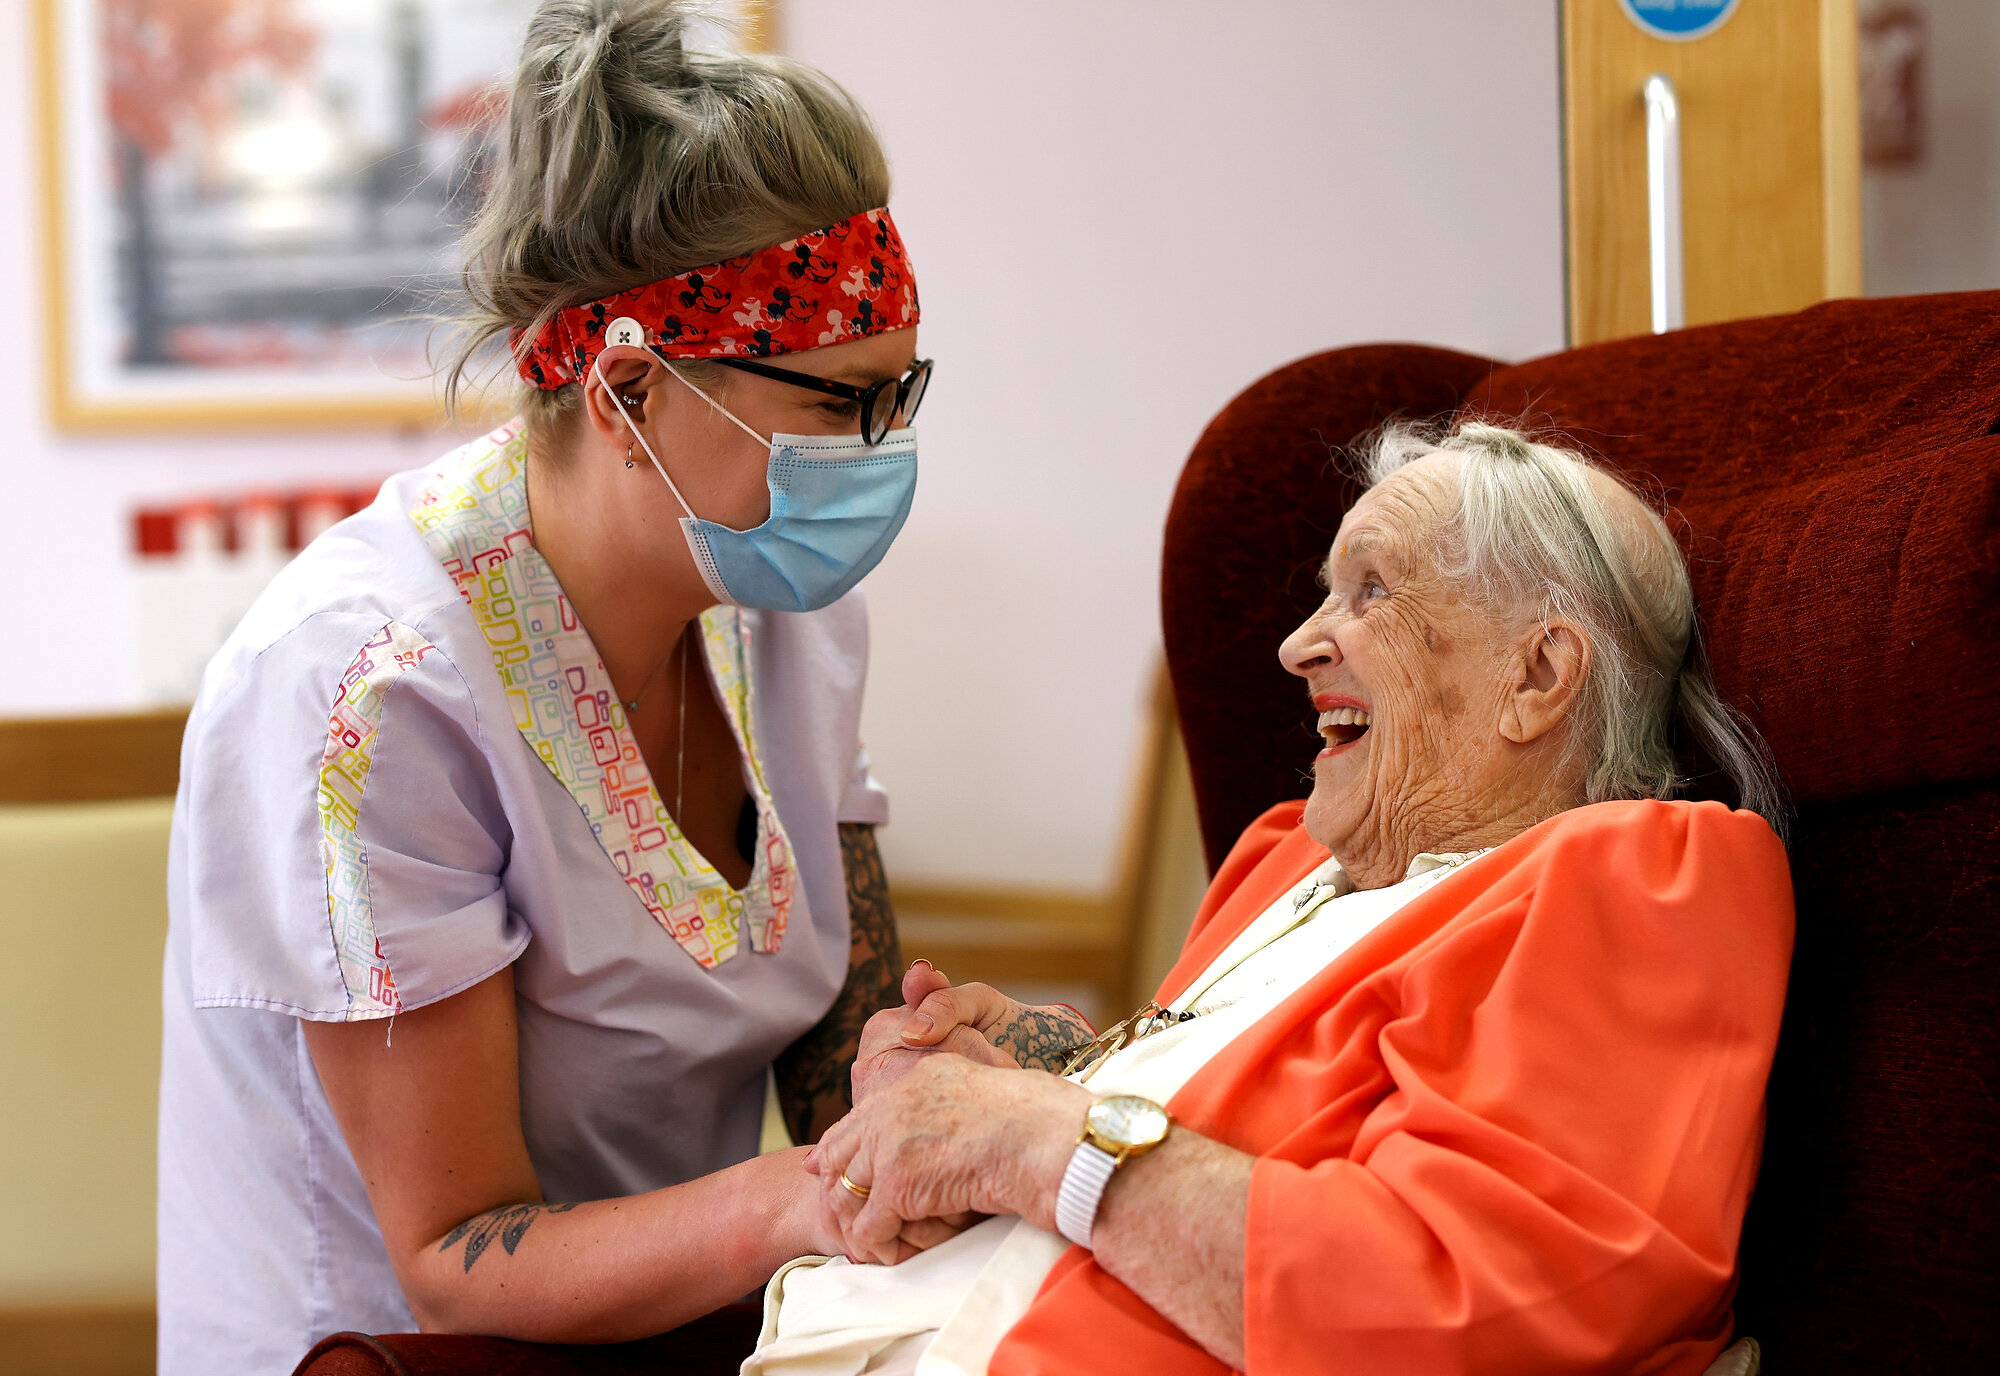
[(864, 800), (345, 836)]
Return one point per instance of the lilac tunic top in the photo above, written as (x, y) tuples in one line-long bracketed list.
[(406, 770)]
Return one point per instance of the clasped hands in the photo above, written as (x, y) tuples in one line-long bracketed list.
[(949, 1125)]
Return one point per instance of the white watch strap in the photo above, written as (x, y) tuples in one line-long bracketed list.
[(1090, 1170)]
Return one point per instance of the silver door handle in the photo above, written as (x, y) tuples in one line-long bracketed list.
[(1663, 201)]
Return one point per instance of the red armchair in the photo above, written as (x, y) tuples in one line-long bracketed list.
[(711, 1346), (1838, 474)]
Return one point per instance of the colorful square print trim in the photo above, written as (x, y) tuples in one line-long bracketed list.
[(343, 778), (473, 512)]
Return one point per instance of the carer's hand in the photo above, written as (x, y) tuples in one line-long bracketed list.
[(934, 1008), (1035, 1037), (947, 1139), (928, 1023)]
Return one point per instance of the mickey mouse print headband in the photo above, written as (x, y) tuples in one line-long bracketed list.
[(844, 282)]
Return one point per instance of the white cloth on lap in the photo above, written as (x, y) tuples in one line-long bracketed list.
[(835, 1318), (937, 1312)]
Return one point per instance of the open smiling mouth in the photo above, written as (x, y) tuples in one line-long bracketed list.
[(1342, 726)]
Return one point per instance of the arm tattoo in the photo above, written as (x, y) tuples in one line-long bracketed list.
[(1043, 1038), (814, 1073), (510, 1224)]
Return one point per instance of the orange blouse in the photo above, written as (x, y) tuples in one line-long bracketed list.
[(1513, 1129)]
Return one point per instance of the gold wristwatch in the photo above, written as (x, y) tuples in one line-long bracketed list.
[(1114, 1130)]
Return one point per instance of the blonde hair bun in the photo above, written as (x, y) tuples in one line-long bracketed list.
[(630, 157)]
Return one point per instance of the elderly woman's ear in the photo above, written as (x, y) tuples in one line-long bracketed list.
[(1553, 658)]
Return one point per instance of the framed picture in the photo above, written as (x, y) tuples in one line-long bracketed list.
[(251, 207)]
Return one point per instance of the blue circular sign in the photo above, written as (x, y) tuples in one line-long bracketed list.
[(1678, 20)]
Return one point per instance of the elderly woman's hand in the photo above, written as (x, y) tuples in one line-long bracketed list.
[(973, 1020), (947, 1139)]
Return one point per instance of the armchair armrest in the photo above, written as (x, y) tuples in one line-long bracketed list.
[(714, 1345)]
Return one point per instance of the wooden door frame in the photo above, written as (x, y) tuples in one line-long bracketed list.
[(1605, 58)]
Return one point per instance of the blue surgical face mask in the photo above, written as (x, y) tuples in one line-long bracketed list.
[(837, 503)]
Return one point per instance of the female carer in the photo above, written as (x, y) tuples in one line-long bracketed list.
[(524, 822)]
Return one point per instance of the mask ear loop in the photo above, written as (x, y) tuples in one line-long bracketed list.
[(733, 419), (597, 367)]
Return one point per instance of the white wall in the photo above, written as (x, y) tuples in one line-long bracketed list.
[(1121, 213), (1936, 226)]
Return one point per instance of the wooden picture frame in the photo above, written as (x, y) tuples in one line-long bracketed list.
[(249, 205)]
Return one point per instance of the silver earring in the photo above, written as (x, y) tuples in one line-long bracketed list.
[(628, 456)]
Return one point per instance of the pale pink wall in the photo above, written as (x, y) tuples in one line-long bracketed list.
[(1121, 213), (1936, 226)]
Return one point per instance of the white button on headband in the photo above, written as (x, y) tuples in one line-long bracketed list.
[(626, 330)]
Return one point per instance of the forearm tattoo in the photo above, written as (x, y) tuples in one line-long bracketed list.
[(508, 1224), (1043, 1038), (815, 1073)]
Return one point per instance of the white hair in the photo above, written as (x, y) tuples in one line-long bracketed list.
[(1540, 531)]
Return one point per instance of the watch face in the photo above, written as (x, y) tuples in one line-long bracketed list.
[(1128, 1120)]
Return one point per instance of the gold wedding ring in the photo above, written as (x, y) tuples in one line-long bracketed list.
[(858, 1191)]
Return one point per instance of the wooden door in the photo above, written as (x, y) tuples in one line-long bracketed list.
[(1770, 161)]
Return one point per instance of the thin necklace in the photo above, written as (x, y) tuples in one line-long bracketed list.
[(633, 704), (1155, 1017), (680, 742)]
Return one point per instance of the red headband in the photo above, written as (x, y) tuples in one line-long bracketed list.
[(844, 282)]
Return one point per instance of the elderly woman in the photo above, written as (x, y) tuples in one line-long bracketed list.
[(1460, 1071)]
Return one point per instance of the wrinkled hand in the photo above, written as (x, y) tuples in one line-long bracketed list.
[(947, 1139), (928, 1023), (818, 1231)]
